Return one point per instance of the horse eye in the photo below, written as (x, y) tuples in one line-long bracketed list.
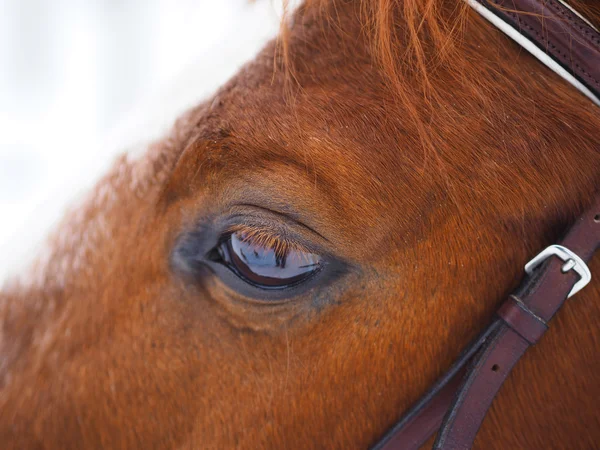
[(266, 267)]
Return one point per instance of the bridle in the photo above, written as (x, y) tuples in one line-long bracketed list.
[(457, 402)]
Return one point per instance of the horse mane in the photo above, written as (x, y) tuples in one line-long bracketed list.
[(415, 37), (420, 48), (408, 38)]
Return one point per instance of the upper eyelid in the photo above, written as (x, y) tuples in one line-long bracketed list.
[(278, 224), (251, 210)]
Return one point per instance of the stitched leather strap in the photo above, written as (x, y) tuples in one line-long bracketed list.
[(541, 295), (559, 32), (521, 321)]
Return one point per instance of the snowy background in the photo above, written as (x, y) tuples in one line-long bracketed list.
[(81, 80)]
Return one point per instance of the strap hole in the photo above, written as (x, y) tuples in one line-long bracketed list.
[(597, 218), (495, 368)]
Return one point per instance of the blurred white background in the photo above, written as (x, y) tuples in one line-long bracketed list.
[(80, 80)]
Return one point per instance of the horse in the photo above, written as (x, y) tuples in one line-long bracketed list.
[(310, 248)]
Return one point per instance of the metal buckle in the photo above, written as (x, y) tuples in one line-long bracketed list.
[(572, 262)]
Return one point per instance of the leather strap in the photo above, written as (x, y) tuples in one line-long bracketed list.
[(521, 321), (559, 32)]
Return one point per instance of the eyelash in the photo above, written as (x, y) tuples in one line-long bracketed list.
[(265, 237)]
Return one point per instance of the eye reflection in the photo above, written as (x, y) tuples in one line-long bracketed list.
[(268, 266)]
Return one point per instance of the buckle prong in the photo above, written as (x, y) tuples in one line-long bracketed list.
[(572, 262)]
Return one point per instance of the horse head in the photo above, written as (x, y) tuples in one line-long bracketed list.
[(307, 250)]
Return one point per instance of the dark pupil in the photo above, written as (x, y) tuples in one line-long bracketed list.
[(264, 266)]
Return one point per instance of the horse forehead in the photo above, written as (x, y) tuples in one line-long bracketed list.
[(344, 188), (322, 138), (258, 113)]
